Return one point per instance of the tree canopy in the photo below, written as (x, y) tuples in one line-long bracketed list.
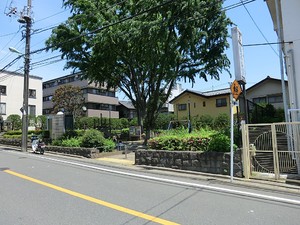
[(69, 99), (144, 47)]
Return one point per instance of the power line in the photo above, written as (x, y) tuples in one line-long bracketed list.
[(268, 43), (128, 18), (258, 27)]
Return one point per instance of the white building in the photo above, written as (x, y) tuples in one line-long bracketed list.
[(176, 90), (11, 94), (288, 29)]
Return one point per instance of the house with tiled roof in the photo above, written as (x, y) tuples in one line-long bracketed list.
[(268, 91), (192, 103), (126, 110)]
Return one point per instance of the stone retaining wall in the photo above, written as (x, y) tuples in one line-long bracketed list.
[(208, 162), (84, 152)]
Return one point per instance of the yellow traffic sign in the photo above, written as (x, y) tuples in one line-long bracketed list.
[(236, 89)]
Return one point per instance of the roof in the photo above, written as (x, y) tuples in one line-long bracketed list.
[(127, 104), (267, 79), (20, 74), (63, 77), (206, 94)]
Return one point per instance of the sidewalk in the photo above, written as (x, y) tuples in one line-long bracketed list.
[(119, 159), (129, 160)]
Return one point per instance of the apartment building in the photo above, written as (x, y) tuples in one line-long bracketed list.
[(99, 101), (11, 94), (285, 16)]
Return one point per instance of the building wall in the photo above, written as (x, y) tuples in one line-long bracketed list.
[(177, 90), (291, 33), (93, 101), (289, 17), (200, 106), (267, 89), (13, 98)]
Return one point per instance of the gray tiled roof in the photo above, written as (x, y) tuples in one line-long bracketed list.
[(211, 93), (127, 104)]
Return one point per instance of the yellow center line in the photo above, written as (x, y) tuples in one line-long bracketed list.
[(95, 200)]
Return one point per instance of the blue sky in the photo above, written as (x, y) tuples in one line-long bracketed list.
[(260, 61)]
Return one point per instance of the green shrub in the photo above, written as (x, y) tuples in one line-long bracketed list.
[(219, 143), (72, 142), (108, 145), (181, 140), (92, 138), (56, 142), (222, 121), (13, 132), (17, 136), (70, 134), (204, 121)]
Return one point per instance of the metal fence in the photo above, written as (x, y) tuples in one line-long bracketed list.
[(272, 149)]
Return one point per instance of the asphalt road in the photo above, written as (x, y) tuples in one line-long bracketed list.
[(43, 190)]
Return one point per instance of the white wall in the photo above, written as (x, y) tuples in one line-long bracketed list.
[(14, 93), (291, 33)]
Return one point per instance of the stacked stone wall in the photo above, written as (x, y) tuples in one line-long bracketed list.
[(207, 162)]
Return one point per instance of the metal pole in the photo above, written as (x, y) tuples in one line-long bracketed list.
[(25, 112), (280, 49), (231, 138), (189, 117)]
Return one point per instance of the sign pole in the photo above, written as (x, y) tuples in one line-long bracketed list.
[(231, 137)]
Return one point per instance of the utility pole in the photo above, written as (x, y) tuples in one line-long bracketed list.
[(26, 19)]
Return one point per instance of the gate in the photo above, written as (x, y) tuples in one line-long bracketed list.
[(271, 149)]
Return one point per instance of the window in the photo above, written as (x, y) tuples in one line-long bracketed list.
[(32, 93), (99, 92), (2, 108), (221, 102), (260, 100), (31, 109), (204, 103), (47, 98), (275, 99), (71, 79), (181, 107), (47, 111), (2, 90)]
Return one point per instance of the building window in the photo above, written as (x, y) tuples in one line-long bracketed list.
[(99, 92), (220, 102), (260, 100), (71, 79), (182, 107), (47, 98), (32, 93), (204, 104), (47, 111), (275, 99), (32, 110), (2, 90), (2, 108)]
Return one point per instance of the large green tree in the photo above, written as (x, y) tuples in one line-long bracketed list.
[(144, 47), (68, 98)]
